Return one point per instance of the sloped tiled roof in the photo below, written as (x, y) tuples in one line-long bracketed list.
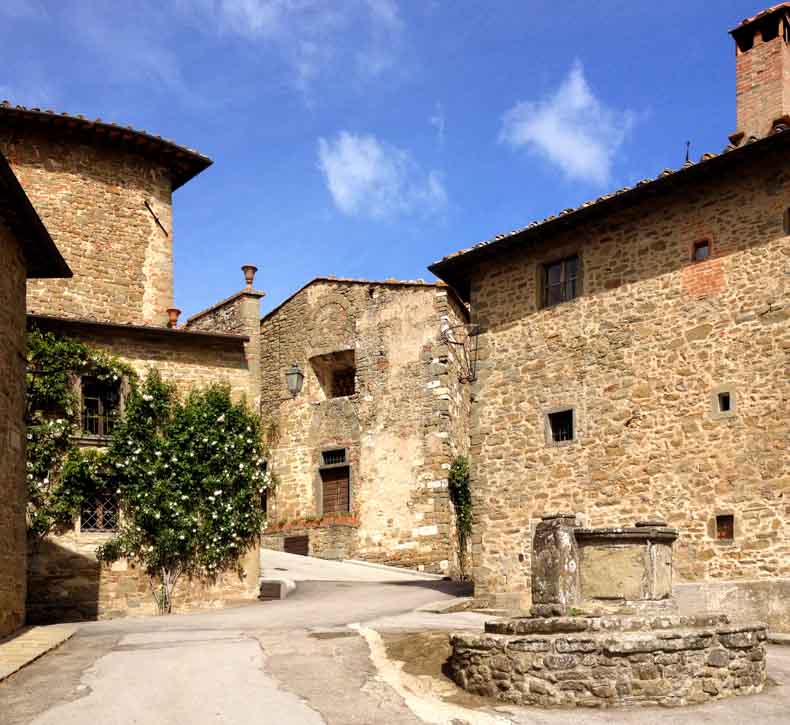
[(762, 14), (184, 163), (453, 268)]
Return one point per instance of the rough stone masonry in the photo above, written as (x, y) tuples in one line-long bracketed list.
[(670, 360)]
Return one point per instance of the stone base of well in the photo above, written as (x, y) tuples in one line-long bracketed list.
[(611, 661)]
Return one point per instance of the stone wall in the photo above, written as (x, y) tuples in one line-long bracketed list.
[(640, 356), (67, 583), (238, 315), (400, 429), (12, 434), (92, 199), (659, 664)]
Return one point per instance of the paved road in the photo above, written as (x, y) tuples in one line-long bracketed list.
[(295, 662)]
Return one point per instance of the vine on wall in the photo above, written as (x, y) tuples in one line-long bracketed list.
[(58, 477), (458, 486)]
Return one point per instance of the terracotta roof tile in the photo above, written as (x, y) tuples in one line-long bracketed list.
[(704, 159), (762, 14), (184, 163)]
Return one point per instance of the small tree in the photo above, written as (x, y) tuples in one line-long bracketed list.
[(190, 475)]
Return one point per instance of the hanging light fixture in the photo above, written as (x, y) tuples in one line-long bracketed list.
[(294, 377)]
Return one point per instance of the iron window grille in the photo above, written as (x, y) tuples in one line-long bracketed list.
[(334, 457), (99, 512), (101, 402), (725, 527), (561, 281)]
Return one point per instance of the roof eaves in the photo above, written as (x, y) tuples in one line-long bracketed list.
[(570, 216), (42, 257), (185, 163)]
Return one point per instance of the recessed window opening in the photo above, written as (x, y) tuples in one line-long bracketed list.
[(745, 41), (336, 373), (725, 527), (334, 457), (786, 221), (100, 405), (701, 251), (561, 425), (769, 30), (725, 402), (561, 281), (99, 512)]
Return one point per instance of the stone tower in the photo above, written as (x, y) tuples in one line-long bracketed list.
[(104, 192)]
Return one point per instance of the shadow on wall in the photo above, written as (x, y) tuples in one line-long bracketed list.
[(62, 585)]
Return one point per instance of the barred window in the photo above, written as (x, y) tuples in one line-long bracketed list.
[(99, 512), (101, 402), (334, 457)]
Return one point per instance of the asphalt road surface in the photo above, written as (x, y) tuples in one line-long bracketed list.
[(294, 662)]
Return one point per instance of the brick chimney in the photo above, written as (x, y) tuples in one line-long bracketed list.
[(762, 72)]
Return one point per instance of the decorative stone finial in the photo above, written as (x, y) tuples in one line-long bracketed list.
[(249, 273), (172, 315)]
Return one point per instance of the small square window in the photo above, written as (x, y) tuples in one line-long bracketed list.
[(561, 425), (725, 527), (723, 402), (701, 251), (561, 281), (334, 457)]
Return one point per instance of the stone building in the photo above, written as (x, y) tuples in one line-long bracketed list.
[(361, 454), (635, 361), (26, 251), (105, 194)]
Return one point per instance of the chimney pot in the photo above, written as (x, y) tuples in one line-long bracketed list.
[(172, 315), (249, 273)]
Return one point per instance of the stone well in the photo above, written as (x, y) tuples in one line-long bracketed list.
[(604, 631)]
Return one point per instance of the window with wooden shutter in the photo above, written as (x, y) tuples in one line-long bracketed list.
[(335, 489)]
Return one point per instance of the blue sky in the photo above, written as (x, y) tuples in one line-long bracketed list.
[(368, 138)]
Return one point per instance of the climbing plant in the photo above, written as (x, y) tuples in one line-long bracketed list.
[(189, 474), (458, 485), (58, 473)]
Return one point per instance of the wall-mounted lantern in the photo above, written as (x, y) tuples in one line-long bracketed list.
[(294, 377)]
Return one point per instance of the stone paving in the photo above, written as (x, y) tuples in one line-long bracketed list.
[(29, 644)]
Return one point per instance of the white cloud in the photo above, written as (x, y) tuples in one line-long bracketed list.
[(367, 177), (571, 128), (437, 120)]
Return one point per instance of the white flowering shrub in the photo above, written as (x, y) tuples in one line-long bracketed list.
[(190, 477)]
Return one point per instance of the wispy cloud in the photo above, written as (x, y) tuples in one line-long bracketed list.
[(308, 34), (367, 177), (437, 120), (572, 129)]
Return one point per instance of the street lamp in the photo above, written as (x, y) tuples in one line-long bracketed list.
[(294, 377)]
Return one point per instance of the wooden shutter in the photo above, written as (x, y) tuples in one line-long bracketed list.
[(335, 490)]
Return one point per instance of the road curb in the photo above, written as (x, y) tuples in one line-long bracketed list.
[(29, 644)]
